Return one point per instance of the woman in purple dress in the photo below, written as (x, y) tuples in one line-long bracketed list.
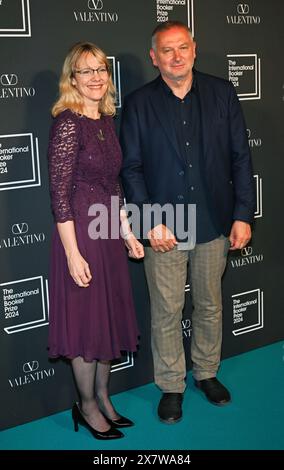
[(92, 316)]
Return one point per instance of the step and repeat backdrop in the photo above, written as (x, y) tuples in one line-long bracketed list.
[(237, 41)]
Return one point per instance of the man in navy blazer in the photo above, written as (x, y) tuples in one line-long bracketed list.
[(184, 141)]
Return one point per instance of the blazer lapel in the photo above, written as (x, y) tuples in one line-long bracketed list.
[(208, 109)]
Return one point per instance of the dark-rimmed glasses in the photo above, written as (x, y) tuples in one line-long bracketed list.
[(88, 72)]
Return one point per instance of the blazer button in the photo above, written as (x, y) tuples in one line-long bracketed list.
[(180, 197), (181, 173)]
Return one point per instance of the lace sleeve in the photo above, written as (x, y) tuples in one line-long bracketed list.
[(120, 194), (62, 153), (118, 188)]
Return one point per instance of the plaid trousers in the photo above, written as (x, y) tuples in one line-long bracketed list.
[(166, 277)]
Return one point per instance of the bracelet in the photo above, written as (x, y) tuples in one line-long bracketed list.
[(127, 235)]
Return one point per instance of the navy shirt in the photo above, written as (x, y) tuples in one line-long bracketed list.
[(186, 116)]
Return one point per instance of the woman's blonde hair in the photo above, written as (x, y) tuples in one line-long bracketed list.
[(69, 97)]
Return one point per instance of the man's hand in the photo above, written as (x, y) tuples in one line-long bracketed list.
[(240, 235), (161, 238)]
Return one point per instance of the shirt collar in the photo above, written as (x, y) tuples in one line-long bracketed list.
[(169, 91)]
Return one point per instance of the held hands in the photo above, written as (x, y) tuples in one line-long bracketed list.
[(135, 248), (240, 235), (79, 269), (161, 238)]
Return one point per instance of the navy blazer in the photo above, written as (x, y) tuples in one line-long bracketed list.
[(153, 170)]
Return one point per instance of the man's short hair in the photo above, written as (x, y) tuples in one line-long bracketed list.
[(165, 27)]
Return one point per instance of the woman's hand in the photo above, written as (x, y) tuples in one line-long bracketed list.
[(135, 248), (79, 269)]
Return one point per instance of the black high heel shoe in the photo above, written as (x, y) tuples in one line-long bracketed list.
[(77, 416), (121, 422)]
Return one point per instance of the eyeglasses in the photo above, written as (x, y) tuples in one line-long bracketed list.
[(88, 73)]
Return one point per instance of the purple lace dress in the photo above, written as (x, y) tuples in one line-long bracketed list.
[(97, 322)]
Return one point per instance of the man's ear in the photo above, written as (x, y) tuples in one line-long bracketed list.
[(194, 49), (153, 56)]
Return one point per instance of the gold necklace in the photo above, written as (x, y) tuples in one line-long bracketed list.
[(100, 135)]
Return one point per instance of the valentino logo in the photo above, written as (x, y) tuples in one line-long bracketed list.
[(95, 5), (9, 87), (243, 16), (246, 251), (186, 323), (246, 258), (186, 327), (20, 229), (21, 237), (95, 13), (8, 79), (253, 141), (31, 366), (242, 8), (32, 374)]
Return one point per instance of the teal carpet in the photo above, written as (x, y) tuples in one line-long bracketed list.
[(254, 419)]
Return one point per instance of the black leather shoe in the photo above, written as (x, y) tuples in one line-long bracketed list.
[(215, 392), (78, 418), (169, 409), (121, 422)]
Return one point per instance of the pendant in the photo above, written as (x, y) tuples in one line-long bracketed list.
[(100, 135)]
